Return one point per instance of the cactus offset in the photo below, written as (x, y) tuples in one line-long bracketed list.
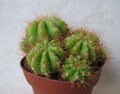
[(75, 69), (84, 43), (47, 28), (45, 58)]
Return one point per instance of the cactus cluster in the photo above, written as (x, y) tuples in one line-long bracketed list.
[(75, 57), (51, 28)]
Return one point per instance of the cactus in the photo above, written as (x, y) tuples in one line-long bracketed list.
[(86, 44), (75, 69), (80, 35), (51, 48), (51, 28), (45, 58)]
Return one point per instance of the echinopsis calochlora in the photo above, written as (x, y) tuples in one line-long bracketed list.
[(51, 48)]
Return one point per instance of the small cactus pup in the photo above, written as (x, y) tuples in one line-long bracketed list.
[(51, 28), (45, 58), (75, 69), (87, 45)]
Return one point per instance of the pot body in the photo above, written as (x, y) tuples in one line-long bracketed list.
[(42, 85)]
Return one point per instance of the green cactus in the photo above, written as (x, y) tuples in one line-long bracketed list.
[(51, 28), (75, 69), (45, 58), (50, 48), (84, 43)]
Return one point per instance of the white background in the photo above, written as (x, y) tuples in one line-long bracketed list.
[(102, 16)]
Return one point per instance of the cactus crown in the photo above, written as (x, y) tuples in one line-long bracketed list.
[(45, 58), (47, 28)]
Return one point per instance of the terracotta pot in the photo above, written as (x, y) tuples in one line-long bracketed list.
[(42, 85)]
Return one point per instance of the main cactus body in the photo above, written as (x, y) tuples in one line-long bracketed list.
[(45, 58), (75, 69), (51, 28)]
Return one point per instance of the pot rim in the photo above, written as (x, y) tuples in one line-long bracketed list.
[(54, 80)]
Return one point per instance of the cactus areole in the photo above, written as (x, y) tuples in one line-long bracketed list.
[(60, 62)]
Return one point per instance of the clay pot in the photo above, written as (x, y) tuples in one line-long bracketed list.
[(42, 85)]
